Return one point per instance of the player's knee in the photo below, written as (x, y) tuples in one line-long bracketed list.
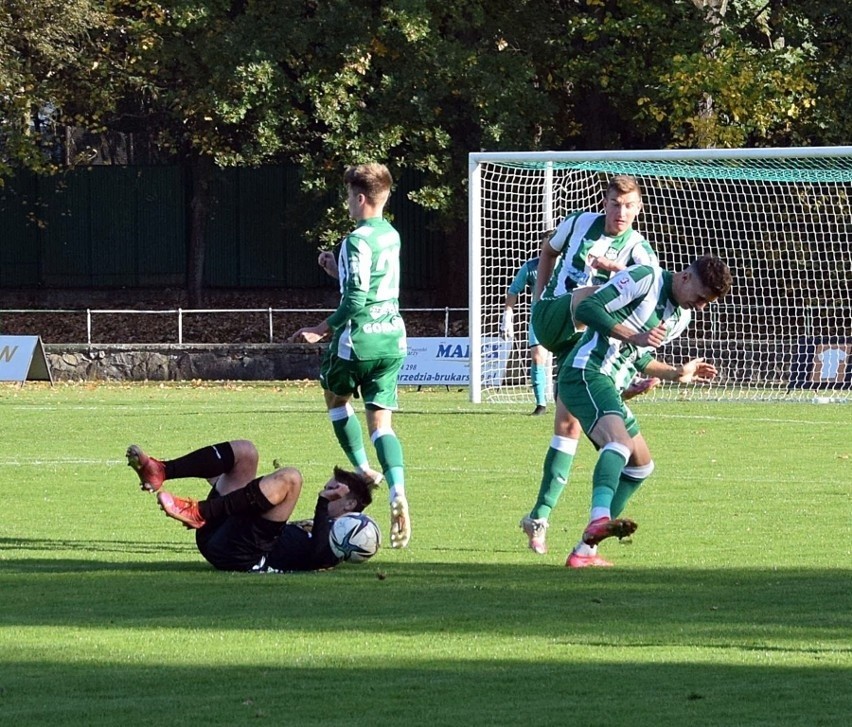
[(286, 480), (639, 472), (381, 432), (245, 452), (338, 413), (568, 427)]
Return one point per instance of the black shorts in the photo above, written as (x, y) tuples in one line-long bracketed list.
[(237, 542)]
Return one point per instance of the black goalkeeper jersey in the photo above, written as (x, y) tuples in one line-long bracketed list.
[(296, 549)]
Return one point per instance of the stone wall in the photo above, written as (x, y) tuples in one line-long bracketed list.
[(171, 362)]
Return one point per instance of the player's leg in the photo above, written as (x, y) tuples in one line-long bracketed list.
[(596, 403), (339, 385), (638, 469), (236, 458), (271, 497), (379, 389), (552, 323), (555, 472), (538, 374)]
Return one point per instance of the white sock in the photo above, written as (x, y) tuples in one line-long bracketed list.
[(598, 513), (582, 548), (395, 492)]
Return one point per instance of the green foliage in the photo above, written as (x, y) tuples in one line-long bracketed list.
[(418, 84), (46, 59), (730, 607)]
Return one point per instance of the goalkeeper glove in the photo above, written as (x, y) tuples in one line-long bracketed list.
[(507, 332)]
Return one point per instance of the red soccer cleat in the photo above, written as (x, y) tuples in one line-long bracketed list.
[(152, 472), (183, 509), (604, 528), (575, 560)]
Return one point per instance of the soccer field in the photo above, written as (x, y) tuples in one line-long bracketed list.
[(731, 606)]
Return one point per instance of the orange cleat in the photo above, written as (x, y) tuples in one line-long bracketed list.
[(183, 509), (152, 472)]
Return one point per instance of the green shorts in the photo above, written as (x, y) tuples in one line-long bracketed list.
[(589, 395), (376, 380), (553, 326)]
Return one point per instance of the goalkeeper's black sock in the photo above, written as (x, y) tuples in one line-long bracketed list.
[(248, 499), (212, 461)]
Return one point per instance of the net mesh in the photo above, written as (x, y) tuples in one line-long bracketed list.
[(783, 225)]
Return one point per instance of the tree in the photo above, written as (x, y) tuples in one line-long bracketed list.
[(43, 43), (417, 84)]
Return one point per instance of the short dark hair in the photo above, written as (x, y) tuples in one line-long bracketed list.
[(714, 274), (360, 487)]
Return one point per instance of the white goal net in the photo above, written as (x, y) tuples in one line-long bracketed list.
[(780, 218)]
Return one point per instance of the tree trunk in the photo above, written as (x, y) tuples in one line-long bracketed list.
[(201, 200)]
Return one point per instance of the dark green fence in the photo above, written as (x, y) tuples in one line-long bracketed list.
[(108, 226)]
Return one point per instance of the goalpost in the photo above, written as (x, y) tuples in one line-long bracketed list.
[(780, 218)]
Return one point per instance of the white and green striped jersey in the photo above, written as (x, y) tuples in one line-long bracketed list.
[(640, 298), (367, 324), (579, 238)]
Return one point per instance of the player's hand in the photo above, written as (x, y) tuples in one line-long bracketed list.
[(334, 491), (599, 262), (328, 263), (309, 334), (639, 386), (507, 329), (695, 371), (654, 338)]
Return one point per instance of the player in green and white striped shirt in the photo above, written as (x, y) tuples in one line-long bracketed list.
[(583, 252), (639, 310), (368, 343)]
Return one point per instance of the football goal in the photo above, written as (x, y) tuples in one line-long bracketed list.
[(780, 218)]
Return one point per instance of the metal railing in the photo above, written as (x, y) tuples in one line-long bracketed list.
[(181, 312)]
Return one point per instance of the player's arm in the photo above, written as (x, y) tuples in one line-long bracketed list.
[(321, 555), (507, 329), (548, 256), (696, 370), (595, 313), (311, 334), (357, 283)]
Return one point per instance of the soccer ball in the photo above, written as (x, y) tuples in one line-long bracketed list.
[(355, 537)]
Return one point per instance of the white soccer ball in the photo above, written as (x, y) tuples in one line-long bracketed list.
[(355, 537)]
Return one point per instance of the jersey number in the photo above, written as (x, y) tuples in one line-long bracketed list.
[(388, 265)]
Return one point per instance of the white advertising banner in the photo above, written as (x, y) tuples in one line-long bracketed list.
[(446, 361)]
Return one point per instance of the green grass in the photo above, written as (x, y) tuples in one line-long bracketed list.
[(732, 606)]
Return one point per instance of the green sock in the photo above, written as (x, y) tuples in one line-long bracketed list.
[(554, 475), (347, 429), (631, 480), (627, 486), (611, 460), (538, 374), (389, 452)]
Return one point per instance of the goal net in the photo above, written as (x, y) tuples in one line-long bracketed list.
[(780, 218)]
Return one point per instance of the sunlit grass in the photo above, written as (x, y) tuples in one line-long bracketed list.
[(730, 607)]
